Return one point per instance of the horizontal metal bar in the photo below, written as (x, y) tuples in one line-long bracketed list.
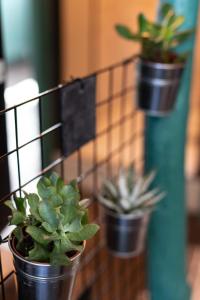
[(115, 96), (40, 136), (63, 85)]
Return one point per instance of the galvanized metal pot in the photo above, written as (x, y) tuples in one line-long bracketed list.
[(158, 85), (125, 234), (41, 281)]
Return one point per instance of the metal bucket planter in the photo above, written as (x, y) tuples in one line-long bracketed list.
[(126, 234), (158, 86), (41, 281)]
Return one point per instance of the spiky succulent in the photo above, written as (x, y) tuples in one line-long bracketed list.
[(159, 39), (130, 193), (52, 223)]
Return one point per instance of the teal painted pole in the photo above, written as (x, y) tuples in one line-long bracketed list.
[(164, 150)]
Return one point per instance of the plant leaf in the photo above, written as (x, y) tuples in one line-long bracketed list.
[(87, 232), (18, 233), (45, 191), (33, 201), (85, 202), (59, 259), (39, 235), (56, 200), (70, 193), (123, 186), (48, 214), (181, 37), (17, 218), (38, 253), (155, 199), (109, 204), (148, 179), (146, 197), (9, 203), (20, 204), (142, 23), (126, 33), (48, 227), (166, 9)]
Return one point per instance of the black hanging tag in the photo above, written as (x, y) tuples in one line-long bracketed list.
[(78, 114)]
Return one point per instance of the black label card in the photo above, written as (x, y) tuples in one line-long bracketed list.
[(78, 114)]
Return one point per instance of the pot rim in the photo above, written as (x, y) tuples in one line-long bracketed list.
[(130, 216), (166, 66), (35, 263)]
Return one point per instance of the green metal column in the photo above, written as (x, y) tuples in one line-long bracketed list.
[(164, 150)]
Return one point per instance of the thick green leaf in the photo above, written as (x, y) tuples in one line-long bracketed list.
[(38, 253), (57, 259), (70, 212), (54, 178), (177, 22), (9, 203), (126, 33), (45, 191), (70, 194), (65, 245), (17, 218), (74, 226), (181, 37), (33, 201), (39, 235), (87, 232), (20, 204), (85, 203), (166, 10), (48, 227), (72, 218), (18, 233), (142, 23), (48, 214), (56, 200)]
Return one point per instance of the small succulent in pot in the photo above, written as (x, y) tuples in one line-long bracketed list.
[(128, 202), (160, 66), (51, 228)]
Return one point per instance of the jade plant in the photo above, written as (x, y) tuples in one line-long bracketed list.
[(52, 224), (159, 39), (130, 193)]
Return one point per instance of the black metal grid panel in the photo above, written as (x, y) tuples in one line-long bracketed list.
[(118, 141)]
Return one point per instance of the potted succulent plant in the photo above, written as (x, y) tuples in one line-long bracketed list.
[(159, 66), (128, 203), (49, 238)]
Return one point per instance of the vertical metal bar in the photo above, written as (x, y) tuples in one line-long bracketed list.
[(79, 171), (97, 261), (110, 259), (17, 149), (109, 118), (122, 108), (41, 130), (4, 169)]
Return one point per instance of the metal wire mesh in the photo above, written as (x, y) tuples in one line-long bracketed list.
[(118, 141)]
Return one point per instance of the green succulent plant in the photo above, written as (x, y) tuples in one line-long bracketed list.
[(158, 39), (51, 224), (130, 193)]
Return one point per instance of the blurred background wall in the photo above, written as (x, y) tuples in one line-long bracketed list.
[(88, 42)]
